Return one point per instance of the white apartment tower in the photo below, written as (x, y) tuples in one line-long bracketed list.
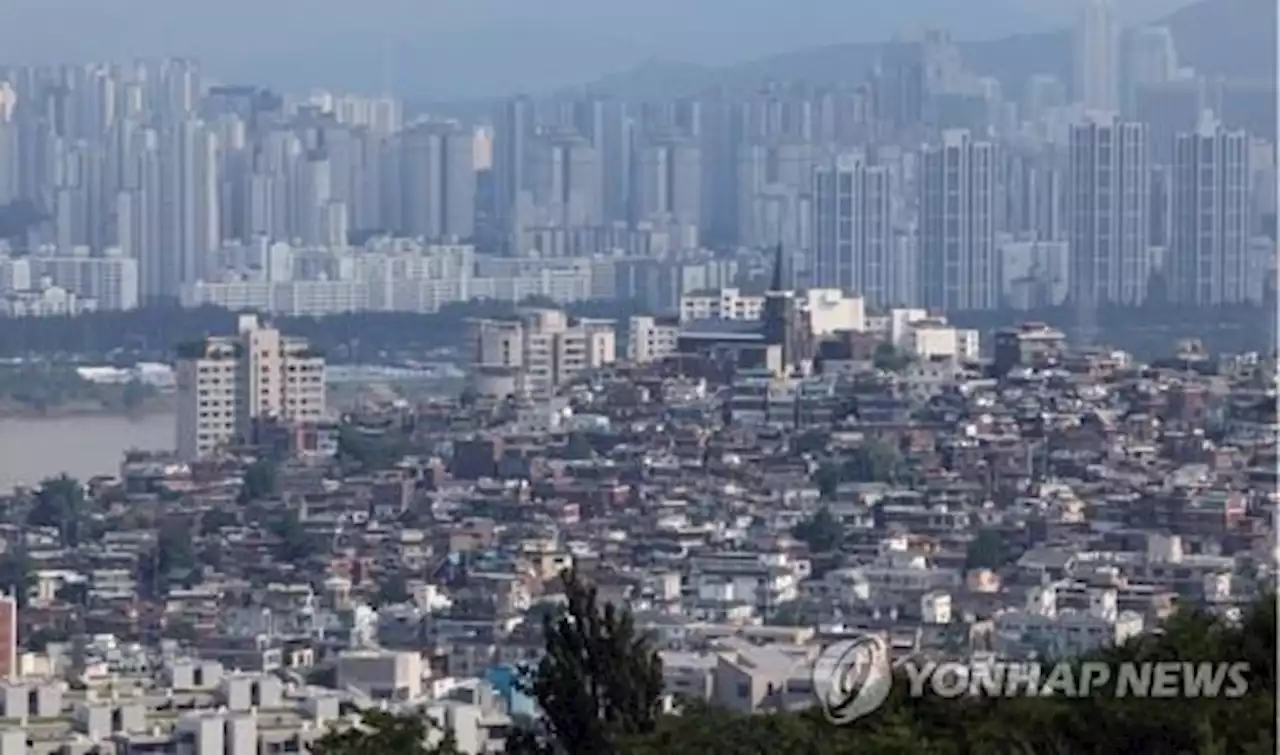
[(9, 176), (542, 348), (1108, 211), (511, 143), (189, 227), (226, 383), (567, 182), (959, 268), (437, 181), (669, 183), (853, 230), (1097, 53), (1209, 250)]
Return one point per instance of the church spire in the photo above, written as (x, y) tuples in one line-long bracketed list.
[(779, 262)]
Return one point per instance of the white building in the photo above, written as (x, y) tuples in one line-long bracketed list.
[(720, 304), (1208, 257), (831, 311), (45, 300), (225, 383), (1108, 211), (381, 674), (1097, 57), (651, 339), (111, 280), (540, 349), (853, 247), (935, 339), (958, 263)]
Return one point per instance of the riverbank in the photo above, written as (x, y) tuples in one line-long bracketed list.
[(160, 404)]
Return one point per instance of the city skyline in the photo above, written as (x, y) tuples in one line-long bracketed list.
[(154, 182), (335, 421), (496, 48)]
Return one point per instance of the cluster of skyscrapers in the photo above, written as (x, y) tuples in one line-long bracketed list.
[(922, 185)]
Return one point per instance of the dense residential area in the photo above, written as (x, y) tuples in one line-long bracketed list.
[(600, 377), (1046, 503)]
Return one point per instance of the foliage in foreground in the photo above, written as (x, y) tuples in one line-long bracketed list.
[(384, 732), (1101, 724), (600, 684)]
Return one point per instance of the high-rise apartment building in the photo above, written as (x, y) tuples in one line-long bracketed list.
[(1033, 193), (1208, 256), (541, 349), (853, 246), (9, 176), (1151, 58), (228, 383), (512, 134), (604, 123), (1108, 211), (1097, 57), (958, 264), (668, 183), (110, 280), (566, 182), (188, 204), (437, 181), (775, 185)]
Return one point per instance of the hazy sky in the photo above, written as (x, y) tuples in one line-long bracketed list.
[(455, 48)]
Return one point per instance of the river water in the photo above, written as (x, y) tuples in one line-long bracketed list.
[(33, 449)]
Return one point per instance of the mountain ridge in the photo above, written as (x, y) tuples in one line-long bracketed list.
[(1211, 36)]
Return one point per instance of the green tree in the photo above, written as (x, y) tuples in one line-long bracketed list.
[(578, 446), (599, 681), (827, 478), (175, 549), (213, 520), (1102, 723), (889, 359), (259, 481), (822, 532), (371, 450), (393, 589), (74, 593), (295, 545), (383, 733), (986, 551), (61, 503), (873, 461), (17, 577)]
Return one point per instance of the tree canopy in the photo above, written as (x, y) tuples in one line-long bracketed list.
[(382, 733), (890, 359), (1101, 723), (600, 683), (822, 532), (873, 461), (259, 481), (61, 503), (987, 550), (600, 680)]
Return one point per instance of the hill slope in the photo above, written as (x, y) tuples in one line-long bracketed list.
[(1234, 38)]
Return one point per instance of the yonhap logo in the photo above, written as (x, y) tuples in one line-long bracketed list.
[(852, 678)]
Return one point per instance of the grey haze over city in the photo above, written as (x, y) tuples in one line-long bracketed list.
[(479, 377), (457, 49)]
